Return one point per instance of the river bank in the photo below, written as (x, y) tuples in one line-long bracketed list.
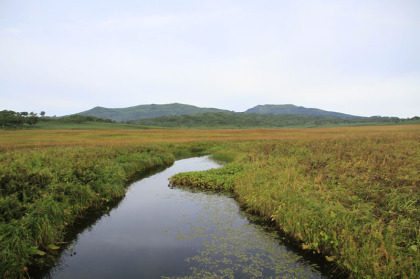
[(351, 200), (45, 189), (158, 231)]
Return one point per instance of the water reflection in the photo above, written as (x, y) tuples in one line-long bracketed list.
[(157, 231)]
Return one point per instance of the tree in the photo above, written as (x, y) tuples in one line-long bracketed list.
[(32, 119), (42, 113), (10, 118)]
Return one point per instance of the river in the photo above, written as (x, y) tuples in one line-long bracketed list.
[(158, 231)]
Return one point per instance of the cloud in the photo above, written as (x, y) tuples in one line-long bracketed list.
[(357, 57), (11, 31)]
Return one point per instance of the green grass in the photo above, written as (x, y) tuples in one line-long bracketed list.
[(43, 190), (61, 125), (216, 179), (354, 201), (369, 124)]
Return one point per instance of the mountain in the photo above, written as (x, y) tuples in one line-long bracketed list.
[(292, 109), (147, 111), (153, 110)]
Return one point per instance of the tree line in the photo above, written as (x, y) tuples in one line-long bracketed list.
[(13, 119), (10, 118), (261, 120), (77, 118)]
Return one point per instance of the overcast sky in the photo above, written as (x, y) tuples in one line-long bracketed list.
[(360, 57)]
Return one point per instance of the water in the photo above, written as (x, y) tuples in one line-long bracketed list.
[(158, 231)]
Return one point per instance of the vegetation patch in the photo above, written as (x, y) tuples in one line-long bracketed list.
[(217, 179), (225, 120), (353, 200), (43, 190), (349, 194)]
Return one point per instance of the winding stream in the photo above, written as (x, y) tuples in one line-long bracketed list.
[(162, 232)]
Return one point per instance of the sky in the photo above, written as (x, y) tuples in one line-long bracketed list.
[(360, 57)]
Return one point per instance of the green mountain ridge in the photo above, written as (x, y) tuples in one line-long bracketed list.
[(147, 111), (158, 110), (292, 109)]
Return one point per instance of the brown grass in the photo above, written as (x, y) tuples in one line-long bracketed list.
[(31, 138)]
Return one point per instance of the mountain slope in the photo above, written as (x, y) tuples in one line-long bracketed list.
[(147, 111), (292, 109)]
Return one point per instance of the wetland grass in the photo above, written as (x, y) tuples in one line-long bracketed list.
[(45, 189), (349, 194), (353, 200)]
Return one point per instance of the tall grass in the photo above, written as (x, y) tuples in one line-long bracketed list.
[(350, 194), (44, 138), (355, 200), (43, 190)]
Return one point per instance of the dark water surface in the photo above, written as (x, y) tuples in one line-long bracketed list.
[(159, 232)]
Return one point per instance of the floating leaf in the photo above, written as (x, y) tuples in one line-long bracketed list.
[(53, 247), (35, 251)]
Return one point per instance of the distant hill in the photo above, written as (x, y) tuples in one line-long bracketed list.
[(292, 109), (153, 111), (147, 111)]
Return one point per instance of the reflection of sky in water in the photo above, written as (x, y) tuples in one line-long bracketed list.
[(159, 231)]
